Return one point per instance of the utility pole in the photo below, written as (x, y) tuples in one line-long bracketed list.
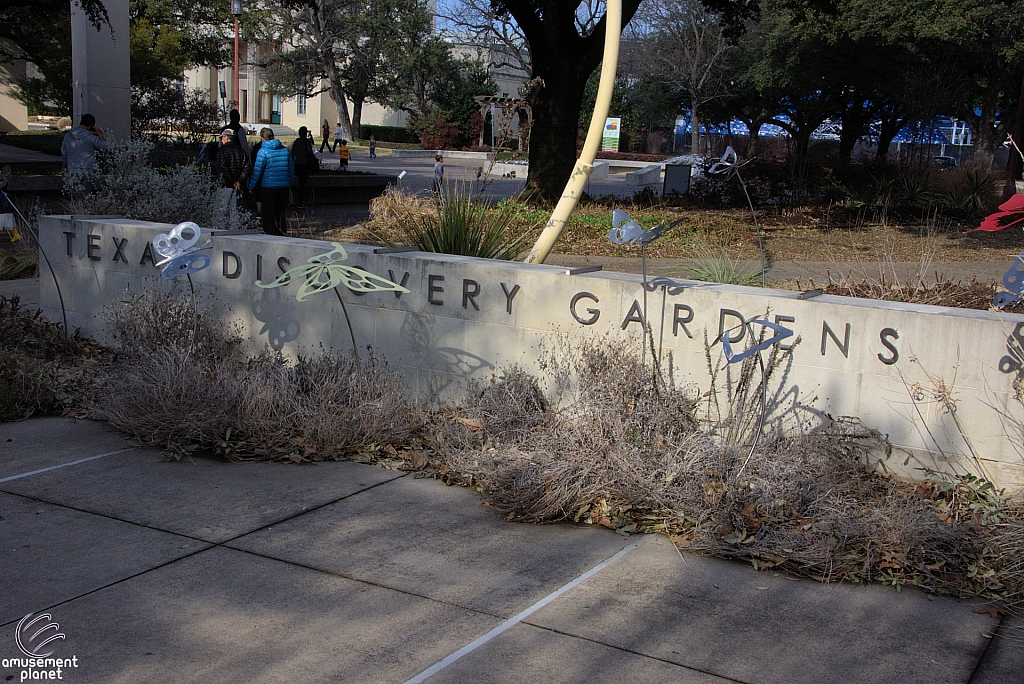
[(236, 9)]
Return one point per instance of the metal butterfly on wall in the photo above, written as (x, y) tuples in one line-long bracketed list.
[(179, 251), (781, 333), (627, 231), (325, 272)]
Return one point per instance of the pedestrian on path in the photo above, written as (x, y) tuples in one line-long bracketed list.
[(325, 132), (343, 154), (79, 147), (274, 171), (338, 136), (373, 147), (232, 169), (438, 174), (303, 158), (240, 132)]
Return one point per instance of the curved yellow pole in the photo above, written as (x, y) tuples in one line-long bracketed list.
[(585, 164)]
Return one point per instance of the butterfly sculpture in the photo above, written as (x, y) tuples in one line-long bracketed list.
[(325, 272), (781, 333), (1011, 213), (728, 162), (627, 231), (179, 251)]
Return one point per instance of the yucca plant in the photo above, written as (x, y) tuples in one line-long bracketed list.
[(467, 228), (712, 265), (979, 188), (915, 191)]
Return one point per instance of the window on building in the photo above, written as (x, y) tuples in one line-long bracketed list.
[(300, 105)]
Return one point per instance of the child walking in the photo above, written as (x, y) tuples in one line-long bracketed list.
[(343, 155)]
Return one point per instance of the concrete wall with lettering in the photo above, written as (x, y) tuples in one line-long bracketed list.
[(881, 362)]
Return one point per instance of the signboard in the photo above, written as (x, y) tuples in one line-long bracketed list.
[(610, 139)]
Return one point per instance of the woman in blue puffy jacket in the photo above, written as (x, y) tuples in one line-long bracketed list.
[(273, 172)]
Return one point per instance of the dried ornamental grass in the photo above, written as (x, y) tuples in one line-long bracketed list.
[(627, 456)]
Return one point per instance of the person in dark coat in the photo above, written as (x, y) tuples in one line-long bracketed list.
[(239, 130), (304, 159), (273, 171), (232, 167)]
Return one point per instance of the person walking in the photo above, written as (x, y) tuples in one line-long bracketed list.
[(304, 159), (373, 147), (343, 154), (240, 132), (273, 171), (338, 136), (256, 195), (79, 147), (232, 168), (438, 174), (325, 132)]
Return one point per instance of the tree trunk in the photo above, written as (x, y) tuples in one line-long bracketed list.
[(556, 112), (989, 136), (854, 123), (337, 91), (695, 133), (357, 114)]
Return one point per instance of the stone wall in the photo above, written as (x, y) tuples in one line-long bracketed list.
[(882, 362)]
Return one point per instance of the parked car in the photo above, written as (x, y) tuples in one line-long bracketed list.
[(946, 162)]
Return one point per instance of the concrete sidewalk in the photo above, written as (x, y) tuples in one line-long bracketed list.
[(203, 571)]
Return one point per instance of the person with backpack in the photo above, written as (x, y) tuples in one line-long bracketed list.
[(273, 172), (304, 160)]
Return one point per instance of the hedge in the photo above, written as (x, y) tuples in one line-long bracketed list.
[(396, 134)]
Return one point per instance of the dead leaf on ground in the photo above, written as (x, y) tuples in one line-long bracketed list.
[(418, 459), (991, 610), (473, 424)]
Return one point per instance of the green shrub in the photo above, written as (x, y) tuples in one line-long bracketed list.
[(395, 134)]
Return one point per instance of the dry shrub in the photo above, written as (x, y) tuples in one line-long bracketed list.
[(941, 292), (168, 399), (394, 209), (38, 372), (628, 453), (158, 320), (215, 399)]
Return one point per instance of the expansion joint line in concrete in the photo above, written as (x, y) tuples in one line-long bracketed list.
[(210, 545), (516, 619), (64, 465), (637, 653)]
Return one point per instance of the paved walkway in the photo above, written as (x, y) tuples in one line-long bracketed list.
[(203, 571), (9, 154)]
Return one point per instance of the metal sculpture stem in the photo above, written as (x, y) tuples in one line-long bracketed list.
[(344, 309), (585, 164), (60, 295), (764, 406), (195, 319), (643, 340), (757, 226)]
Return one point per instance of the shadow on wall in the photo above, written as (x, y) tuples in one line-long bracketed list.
[(278, 318), (448, 364)]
